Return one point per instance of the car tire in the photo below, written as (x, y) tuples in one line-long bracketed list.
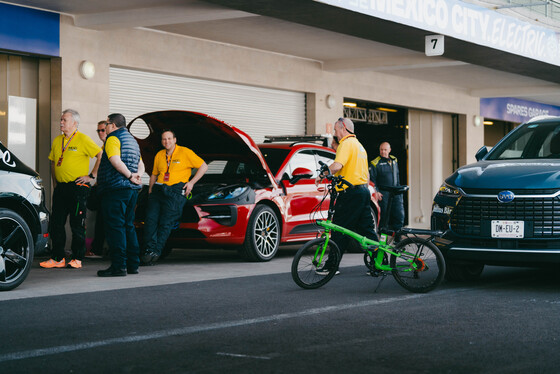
[(463, 272), (16, 249), (262, 238)]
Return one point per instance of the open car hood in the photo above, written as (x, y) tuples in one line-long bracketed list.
[(207, 136), (9, 162)]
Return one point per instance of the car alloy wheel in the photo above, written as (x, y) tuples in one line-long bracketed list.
[(16, 249), (263, 235)]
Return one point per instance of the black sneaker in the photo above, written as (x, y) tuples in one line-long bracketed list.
[(149, 258), (132, 271), (111, 272)]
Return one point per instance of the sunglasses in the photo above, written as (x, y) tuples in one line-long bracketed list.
[(101, 130)]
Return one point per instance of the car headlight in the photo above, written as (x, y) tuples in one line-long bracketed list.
[(37, 182), (448, 191), (228, 193)]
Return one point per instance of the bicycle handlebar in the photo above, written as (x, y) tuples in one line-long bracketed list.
[(338, 181)]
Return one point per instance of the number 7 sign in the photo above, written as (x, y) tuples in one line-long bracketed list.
[(434, 45)]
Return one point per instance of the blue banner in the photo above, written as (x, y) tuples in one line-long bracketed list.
[(515, 110), (29, 30)]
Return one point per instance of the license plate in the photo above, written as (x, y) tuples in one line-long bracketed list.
[(508, 229)]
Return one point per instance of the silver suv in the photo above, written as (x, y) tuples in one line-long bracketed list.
[(24, 219)]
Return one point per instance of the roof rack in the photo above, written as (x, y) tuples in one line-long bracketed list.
[(298, 139)]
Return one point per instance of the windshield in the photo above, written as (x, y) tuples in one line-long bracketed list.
[(274, 157), (535, 140)]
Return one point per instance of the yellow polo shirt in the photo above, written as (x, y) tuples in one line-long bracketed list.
[(353, 158), (76, 156), (182, 161), (112, 147)]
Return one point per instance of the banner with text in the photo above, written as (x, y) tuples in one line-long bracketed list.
[(515, 110), (464, 21)]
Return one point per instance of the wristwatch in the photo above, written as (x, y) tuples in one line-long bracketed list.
[(91, 176)]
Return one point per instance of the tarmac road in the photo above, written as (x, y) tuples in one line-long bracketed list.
[(209, 312)]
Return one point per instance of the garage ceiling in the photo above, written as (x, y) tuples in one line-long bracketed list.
[(340, 40)]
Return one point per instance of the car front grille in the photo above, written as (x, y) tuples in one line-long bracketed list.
[(472, 215)]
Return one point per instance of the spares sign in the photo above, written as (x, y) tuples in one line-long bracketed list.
[(464, 21), (515, 110)]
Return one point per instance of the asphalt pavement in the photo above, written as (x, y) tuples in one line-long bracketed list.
[(181, 266), (211, 312)]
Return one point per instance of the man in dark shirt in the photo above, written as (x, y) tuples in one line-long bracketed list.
[(119, 181), (384, 172)]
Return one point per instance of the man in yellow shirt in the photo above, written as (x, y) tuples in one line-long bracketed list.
[(352, 209), (70, 155), (170, 185)]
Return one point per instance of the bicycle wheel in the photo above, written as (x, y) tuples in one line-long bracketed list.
[(420, 266), (307, 263)]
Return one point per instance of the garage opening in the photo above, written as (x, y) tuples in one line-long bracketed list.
[(494, 130), (377, 123)]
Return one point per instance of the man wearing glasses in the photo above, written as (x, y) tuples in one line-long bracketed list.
[(99, 231), (101, 125), (119, 181)]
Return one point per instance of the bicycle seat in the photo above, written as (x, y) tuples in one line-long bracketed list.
[(395, 190)]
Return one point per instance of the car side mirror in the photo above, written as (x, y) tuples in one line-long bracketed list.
[(481, 153), (300, 173)]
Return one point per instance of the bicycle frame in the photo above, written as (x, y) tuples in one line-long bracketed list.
[(415, 262), (365, 243)]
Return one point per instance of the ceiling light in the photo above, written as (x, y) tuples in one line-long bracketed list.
[(387, 110), (351, 105), (488, 123)]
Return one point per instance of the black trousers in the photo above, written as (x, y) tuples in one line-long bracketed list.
[(69, 200), (392, 217), (99, 234), (353, 212)]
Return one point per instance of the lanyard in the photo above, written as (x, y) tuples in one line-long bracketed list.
[(169, 159), (63, 147), (166, 175)]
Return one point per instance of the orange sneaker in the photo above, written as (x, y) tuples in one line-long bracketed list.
[(76, 264), (53, 264)]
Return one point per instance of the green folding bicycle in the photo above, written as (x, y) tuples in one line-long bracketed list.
[(415, 262)]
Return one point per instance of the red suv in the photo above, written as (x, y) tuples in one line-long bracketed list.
[(253, 197)]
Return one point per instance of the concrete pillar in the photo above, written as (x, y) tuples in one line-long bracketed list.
[(321, 117)]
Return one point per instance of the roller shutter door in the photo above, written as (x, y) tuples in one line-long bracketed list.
[(255, 110)]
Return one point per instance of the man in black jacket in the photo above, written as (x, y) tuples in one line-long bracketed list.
[(384, 172)]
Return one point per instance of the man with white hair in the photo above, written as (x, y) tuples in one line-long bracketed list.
[(70, 155), (352, 209)]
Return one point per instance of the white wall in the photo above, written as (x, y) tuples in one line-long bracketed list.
[(429, 162)]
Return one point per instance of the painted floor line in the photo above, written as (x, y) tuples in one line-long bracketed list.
[(34, 353), (242, 356)]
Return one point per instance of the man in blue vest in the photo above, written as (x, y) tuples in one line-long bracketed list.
[(384, 172), (118, 183)]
